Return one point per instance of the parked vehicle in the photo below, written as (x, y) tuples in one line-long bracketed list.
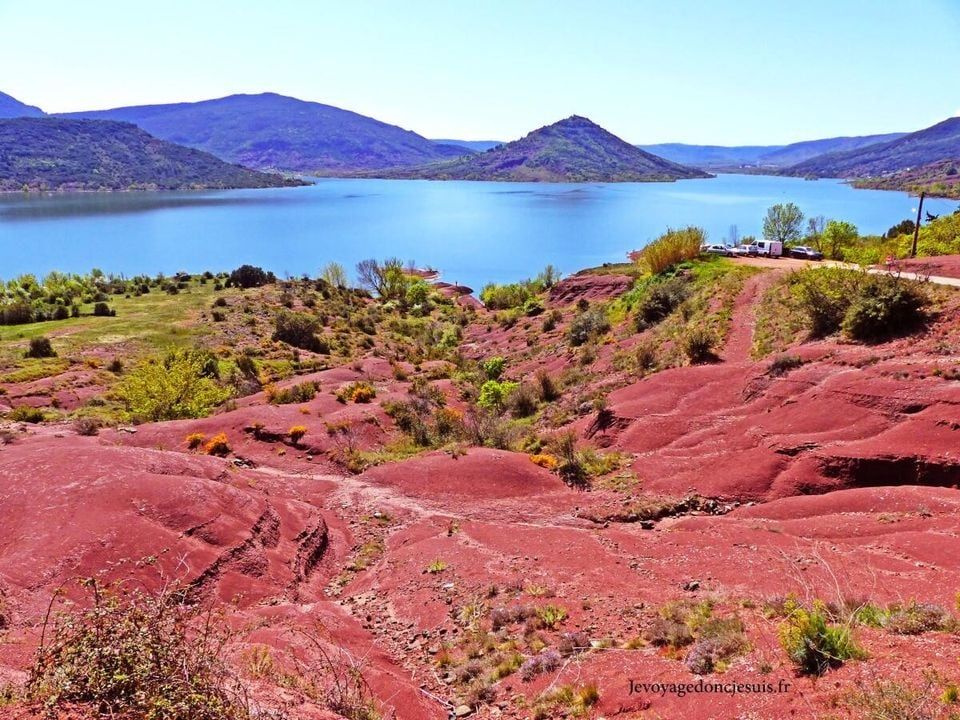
[(805, 253), (717, 249), (743, 250), (768, 248)]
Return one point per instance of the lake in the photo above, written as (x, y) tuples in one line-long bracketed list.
[(474, 232)]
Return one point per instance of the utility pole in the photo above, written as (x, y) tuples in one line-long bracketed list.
[(916, 228)]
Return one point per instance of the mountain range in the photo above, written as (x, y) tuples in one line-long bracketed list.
[(43, 153), (10, 107), (932, 144), (719, 157), (572, 150), (274, 132)]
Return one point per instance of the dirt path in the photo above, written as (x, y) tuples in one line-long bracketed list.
[(740, 338)]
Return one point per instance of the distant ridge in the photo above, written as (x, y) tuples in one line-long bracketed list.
[(60, 154), (270, 131), (930, 145), (719, 157), (572, 150), (474, 145), (10, 107)]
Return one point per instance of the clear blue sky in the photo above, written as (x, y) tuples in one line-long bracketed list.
[(698, 71)]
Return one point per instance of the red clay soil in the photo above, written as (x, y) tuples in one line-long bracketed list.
[(837, 480), (589, 287), (943, 266)]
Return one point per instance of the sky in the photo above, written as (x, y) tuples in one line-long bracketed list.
[(731, 72)]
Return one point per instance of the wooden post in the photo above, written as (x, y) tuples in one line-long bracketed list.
[(916, 228)]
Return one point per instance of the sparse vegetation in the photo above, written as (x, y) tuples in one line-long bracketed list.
[(813, 643), (671, 248), (134, 654)]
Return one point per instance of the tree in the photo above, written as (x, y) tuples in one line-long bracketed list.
[(837, 235), (904, 227), (386, 279), (248, 276), (782, 223), (815, 226), (334, 275)]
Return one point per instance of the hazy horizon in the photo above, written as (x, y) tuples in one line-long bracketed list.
[(753, 74)]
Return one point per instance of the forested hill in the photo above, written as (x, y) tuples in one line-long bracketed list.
[(58, 154)]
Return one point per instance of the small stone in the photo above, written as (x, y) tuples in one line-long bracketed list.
[(462, 710)]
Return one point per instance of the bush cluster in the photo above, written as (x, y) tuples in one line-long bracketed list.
[(300, 331), (672, 248), (132, 654), (181, 384), (588, 325), (813, 643), (864, 306), (662, 298)]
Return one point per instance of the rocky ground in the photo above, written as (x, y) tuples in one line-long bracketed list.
[(440, 575)]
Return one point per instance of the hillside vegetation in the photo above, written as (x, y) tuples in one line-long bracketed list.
[(57, 154), (939, 142), (572, 150), (940, 179)]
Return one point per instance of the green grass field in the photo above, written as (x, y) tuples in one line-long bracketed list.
[(142, 325)]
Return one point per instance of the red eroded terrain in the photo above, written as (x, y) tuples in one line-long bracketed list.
[(442, 574)]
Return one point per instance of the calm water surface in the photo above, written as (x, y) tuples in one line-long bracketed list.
[(473, 232)]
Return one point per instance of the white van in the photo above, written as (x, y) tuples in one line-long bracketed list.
[(769, 248)]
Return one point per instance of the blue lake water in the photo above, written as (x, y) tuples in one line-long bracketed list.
[(473, 232)]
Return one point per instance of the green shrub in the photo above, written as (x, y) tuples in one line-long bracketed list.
[(506, 297), (698, 345), (300, 331), (671, 248), (299, 393), (884, 307), (86, 426), (813, 644), (551, 320), (358, 392), (522, 402), (915, 618), (548, 389), (132, 654), (494, 394), (179, 385), (661, 299), (493, 367), (783, 364), (248, 276), (532, 307), (101, 309), (25, 413), (40, 347), (18, 313), (588, 325), (418, 294), (824, 295), (866, 307)]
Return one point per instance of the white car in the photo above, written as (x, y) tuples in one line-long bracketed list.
[(716, 250)]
